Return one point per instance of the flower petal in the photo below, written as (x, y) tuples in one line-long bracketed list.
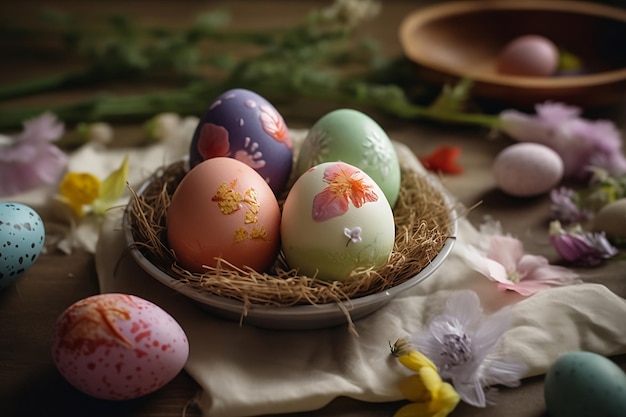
[(41, 129), (536, 268), (443, 159), (213, 141), (465, 307), (415, 360), (523, 288), (413, 389), (46, 168), (506, 250), (327, 205), (471, 392)]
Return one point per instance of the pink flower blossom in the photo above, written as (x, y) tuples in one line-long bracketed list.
[(501, 258), (506, 263), (580, 142), (28, 159)]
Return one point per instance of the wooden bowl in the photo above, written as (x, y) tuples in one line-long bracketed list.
[(463, 39)]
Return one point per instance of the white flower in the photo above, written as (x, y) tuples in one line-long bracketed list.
[(354, 234), (461, 343)]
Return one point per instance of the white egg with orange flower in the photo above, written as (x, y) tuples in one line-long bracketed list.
[(335, 220)]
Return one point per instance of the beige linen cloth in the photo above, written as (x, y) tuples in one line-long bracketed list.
[(245, 371)]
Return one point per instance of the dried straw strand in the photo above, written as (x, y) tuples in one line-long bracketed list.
[(422, 218)]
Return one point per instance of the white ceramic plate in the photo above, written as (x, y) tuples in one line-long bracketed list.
[(298, 317)]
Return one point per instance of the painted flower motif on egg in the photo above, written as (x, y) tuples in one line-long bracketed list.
[(335, 220), (353, 137), (222, 209), (118, 346), (241, 124), (229, 201), (345, 185)]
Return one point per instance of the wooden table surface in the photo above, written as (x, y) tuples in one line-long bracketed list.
[(29, 383)]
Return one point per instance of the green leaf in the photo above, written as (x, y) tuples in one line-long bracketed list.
[(453, 99), (112, 188)]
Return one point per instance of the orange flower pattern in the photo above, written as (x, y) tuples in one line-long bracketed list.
[(346, 184), (274, 125), (91, 323)]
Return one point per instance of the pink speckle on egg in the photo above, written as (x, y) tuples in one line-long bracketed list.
[(110, 346)]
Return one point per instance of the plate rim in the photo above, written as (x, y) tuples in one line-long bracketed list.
[(254, 313)]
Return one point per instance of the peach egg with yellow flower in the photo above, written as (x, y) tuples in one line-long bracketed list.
[(223, 210), (336, 220)]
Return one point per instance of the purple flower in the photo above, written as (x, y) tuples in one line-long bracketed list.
[(581, 143), (580, 247), (353, 235), (565, 207), (461, 343), (28, 160)]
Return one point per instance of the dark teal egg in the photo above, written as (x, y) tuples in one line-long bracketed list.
[(585, 384)]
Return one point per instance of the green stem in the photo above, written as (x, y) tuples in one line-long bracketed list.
[(113, 108), (54, 82)]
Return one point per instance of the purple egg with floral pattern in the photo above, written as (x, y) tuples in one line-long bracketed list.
[(243, 125)]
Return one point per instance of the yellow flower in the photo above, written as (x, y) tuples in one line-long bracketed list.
[(430, 395), (415, 361), (79, 189)]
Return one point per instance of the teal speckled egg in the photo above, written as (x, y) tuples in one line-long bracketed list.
[(585, 384), (353, 137), (22, 237)]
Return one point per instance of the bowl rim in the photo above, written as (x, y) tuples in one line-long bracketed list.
[(302, 313), (434, 12)]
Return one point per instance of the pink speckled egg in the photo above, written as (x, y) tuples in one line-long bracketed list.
[(118, 346)]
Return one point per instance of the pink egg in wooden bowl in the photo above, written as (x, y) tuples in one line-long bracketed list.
[(466, 39)]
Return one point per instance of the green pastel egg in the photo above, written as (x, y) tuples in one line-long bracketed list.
[(585, 384), (353, 137)]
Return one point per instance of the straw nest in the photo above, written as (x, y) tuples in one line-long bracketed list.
[(423, 224)]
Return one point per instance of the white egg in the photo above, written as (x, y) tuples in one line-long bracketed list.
[(527, 169)]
